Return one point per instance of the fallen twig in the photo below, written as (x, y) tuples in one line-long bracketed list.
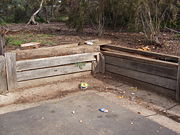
[(172, 30)]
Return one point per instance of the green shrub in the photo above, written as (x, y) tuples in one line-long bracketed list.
[(13, 41)]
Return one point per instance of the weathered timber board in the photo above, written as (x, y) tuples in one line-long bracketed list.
[(2, 42), (50, 80), (144, 85), (102, 63), (152, 79), (141, 59), (3, 82), (53, 71), (154, 55), (142, 67), (54, 61), (55, 51), (11, 70), (178, 84)]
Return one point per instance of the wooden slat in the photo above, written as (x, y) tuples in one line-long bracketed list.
[(50, 80), (3, 82), (178, 84), (141, 59), (47, 72), (55, 51), (11, 70), (142, 67), (54, 61), (160, 56), (152, 79)]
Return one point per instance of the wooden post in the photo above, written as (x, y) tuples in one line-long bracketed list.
[(95, 65), (2, 42), (98, 66), (178, 83), (11, 70), (102, 63), (3, 81)]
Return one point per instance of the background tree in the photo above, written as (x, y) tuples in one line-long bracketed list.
[(149, 16)]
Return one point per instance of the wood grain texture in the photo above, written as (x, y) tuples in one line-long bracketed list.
[(141, 59), (54, 61), (152, 79), (178, 84), (154, 55), (142, 67), (50, 80), (3, 80), (144, 85), (55, 51), (2, 43), (11, 70), (102, 63), (53, 71), (94, 67)]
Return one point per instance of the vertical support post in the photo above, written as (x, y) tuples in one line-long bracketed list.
[(95, 65), (2, 42), (102, 63), (11, 70), (178, 83), (3, 80)]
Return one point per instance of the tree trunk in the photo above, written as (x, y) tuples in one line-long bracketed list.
[(32, 19)]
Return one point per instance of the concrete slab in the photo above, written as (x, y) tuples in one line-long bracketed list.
[(57, 119)]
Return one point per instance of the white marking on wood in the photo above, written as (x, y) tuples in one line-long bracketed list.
[(32, 44)]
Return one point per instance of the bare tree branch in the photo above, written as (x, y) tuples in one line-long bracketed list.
[(32, 19), (172, 30)]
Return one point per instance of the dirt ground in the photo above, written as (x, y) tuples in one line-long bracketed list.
[(59, 34), (147, 103), (100, 83)]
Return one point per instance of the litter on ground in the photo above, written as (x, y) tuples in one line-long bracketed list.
[(104, 110)]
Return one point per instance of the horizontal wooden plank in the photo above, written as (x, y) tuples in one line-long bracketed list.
[(141, 59), (152, 79), (47, 72), (144, 85), (142, 67), (31, 44), (55, 51), (3, 79), (50, 80), (54, 61), (154, 55)]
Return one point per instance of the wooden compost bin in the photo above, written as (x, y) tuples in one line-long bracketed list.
[(153, 68), (42, 63)]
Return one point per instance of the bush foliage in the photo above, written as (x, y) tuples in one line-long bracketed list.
[(114, 14)]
